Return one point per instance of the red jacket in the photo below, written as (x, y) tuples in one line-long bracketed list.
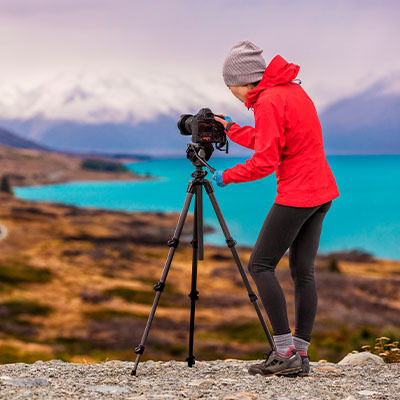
[(287, 139)]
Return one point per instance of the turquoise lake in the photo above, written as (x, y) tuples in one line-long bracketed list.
[(366, 216)]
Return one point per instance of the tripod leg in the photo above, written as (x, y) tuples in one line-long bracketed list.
[(194, 294), (173, 244), (199, 221), (231, 244)]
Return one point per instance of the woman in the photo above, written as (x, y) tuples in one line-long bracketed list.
[(287, 139)]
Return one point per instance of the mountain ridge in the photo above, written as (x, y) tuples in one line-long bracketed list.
[(10, 139), (367, 122)]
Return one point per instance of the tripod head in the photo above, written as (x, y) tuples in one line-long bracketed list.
[(198, 154)]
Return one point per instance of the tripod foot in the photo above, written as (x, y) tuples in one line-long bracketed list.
[(190, 360)]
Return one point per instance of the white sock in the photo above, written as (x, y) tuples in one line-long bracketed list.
[(301, 345), (283, 343)]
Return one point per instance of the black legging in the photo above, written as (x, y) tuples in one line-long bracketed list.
[(298, 229)]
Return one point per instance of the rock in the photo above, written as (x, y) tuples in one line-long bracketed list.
[(228, 381), (107, 389), (201, 382), (327, 368), (367, 393), (361, 358), (240, 396), (24, 382)]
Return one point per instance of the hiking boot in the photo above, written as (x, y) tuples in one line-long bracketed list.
[(305, 367), (275, 364)]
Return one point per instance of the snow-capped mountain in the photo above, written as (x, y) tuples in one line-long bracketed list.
[(112, 98), (111, 113), (115, 113)]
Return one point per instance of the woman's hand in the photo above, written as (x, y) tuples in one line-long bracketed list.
[(224, 121), (218, 178)]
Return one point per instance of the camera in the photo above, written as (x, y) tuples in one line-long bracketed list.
[(203, 127)]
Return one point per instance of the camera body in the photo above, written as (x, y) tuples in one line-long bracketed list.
[(203, 127)]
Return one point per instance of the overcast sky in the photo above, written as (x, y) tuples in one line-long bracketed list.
[(342, 46)]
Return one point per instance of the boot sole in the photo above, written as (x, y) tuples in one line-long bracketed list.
[(284, 372), (298, 374)]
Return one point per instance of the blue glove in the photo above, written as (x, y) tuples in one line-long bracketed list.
[(228, 119), (218, 178)]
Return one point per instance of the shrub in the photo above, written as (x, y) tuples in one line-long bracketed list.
[(169, 298), (14, 271), (5, 185), (101, 165), (106, 314), (389, 351), (24, 307), (333, 266)]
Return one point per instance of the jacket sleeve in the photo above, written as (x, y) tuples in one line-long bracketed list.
[(243, 135), (269, 140)]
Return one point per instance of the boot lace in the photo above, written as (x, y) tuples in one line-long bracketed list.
[(266, 356)]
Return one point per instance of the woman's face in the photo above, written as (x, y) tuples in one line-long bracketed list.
[(240, 92)]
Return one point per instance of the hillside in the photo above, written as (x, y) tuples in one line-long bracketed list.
[(77, 284), (12, 140), (26, 167)]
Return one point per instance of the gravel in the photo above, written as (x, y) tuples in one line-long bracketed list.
[(218, 379)]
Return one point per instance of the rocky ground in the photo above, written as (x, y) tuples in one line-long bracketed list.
[(220, 379)]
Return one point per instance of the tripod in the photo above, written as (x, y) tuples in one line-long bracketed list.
[(195, 187)]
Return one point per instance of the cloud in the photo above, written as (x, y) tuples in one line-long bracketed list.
[(117, 98), (172, 51)]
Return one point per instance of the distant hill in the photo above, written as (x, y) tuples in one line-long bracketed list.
[(158, 137), (12, 140), (366, 123)]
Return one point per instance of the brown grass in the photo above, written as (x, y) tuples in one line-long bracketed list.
[(102, 266)]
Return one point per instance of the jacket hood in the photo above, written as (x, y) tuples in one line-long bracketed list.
[(278, 72)]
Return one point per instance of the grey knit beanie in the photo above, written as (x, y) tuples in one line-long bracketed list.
[(244, 64)]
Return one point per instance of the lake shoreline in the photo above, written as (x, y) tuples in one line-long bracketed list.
[(45, 169), (27, 167), (352, 255)]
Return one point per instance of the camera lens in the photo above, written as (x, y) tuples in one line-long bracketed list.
[(184, 124)]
